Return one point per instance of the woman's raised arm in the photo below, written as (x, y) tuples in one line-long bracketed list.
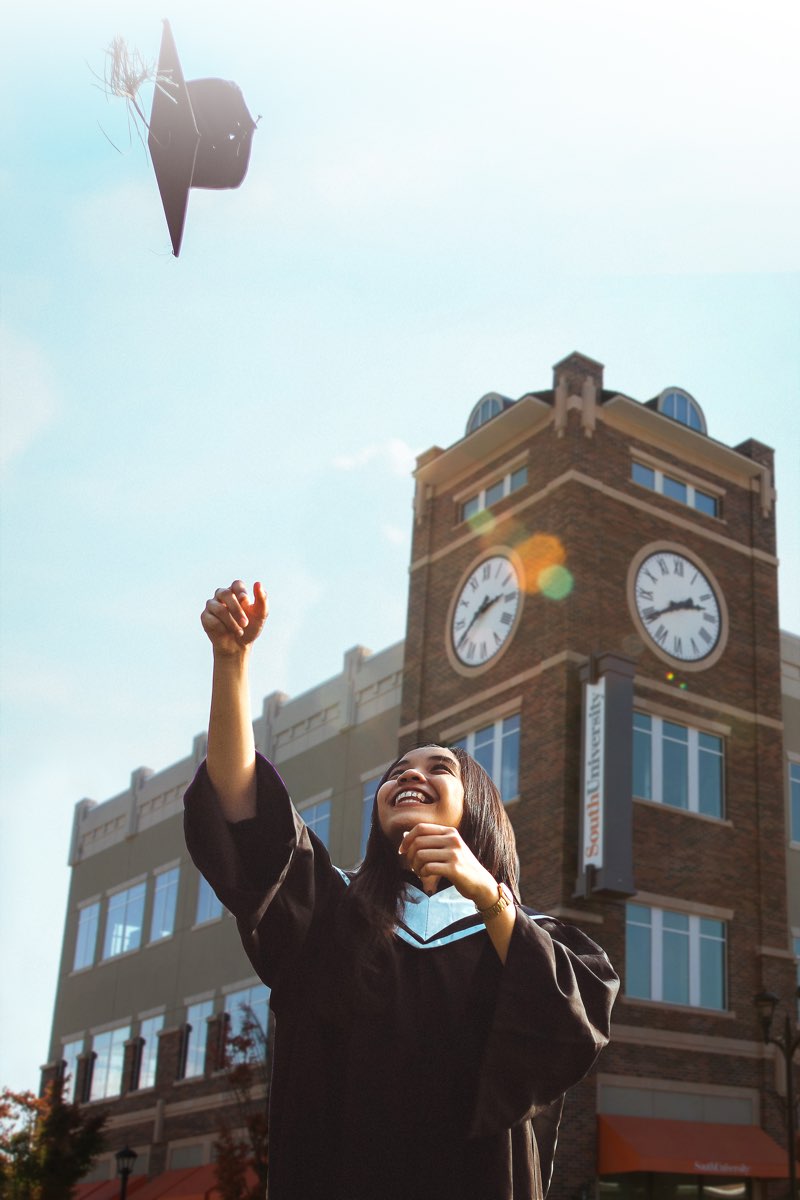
[(233, 621)]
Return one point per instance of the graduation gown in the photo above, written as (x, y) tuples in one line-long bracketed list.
[(445, 1079)]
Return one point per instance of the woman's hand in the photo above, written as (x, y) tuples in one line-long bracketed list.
[(438, 851), (232, 620)]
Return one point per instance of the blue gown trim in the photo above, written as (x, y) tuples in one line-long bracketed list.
[(438, 920)]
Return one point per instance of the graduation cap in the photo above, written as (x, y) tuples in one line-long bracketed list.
[(200, 135)]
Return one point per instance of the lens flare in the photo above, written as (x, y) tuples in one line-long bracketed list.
[(556, 582), (539, 553), (482, 522)]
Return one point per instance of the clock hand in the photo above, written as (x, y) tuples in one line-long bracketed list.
[(485, 604), (676, 606)]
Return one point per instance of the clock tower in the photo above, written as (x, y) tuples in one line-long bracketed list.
[(596, 575)]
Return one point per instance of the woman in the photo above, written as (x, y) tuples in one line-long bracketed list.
[(427, 1025)]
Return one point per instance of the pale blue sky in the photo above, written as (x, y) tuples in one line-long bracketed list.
[(444, 199)]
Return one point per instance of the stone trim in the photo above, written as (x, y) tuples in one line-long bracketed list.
[(476, 700), (671, 903), (573, 476), (506, 709), (698, 1043), (740, 714)]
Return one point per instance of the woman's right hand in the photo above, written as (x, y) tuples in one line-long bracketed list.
[(232, 620)]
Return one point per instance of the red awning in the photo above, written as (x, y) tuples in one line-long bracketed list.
[(187, 1183), (687, 1148), (108, 1189)]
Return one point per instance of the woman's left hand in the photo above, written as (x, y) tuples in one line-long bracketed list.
[(438, 851)]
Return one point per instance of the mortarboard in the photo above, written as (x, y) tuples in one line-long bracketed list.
[(200, 135)]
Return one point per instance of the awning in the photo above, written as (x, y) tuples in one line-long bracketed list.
[(108, 1189), (687, 1148), (187, 1183)]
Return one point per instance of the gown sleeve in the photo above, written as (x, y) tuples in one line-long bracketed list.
[(271, 871), (551, 1020)]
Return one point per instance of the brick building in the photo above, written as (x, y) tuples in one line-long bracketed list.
[(576, 552)]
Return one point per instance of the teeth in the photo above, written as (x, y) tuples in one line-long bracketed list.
[(411, 798)]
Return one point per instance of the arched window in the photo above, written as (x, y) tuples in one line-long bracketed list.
[(675, 403), (487, 407)]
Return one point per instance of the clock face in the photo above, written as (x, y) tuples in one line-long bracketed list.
[(677, 606), (485, 611)]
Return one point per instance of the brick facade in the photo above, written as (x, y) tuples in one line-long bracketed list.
[(580, 493), (580, 509)]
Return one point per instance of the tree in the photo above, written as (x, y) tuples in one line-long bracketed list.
[(46, 1144), (243, 1151)]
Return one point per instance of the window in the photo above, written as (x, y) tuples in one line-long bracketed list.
[(496, 748), (794, 800), (318, 818), (675, 957), (248, 1008), (194, 1058), (86, 941), (209, 907), (677, 766), (109, 1049), (486, 408), (166, 895), (675, 489), (148, 1032), (496, 491), (682, 407), (124, 921), (69, 1054), (368, 789)]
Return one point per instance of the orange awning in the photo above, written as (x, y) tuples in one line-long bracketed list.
[(185, 1182), (188, 1183), (687, 1148), (108, 1189)]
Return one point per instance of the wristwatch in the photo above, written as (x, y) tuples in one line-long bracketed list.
[(504, 900)]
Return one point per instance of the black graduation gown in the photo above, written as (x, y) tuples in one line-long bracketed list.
[(445, 1081)]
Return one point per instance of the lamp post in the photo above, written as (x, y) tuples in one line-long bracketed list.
[(766, 1003), (125, 1160)]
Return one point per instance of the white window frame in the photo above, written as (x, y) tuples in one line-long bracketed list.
[(656, 928), (80, 942), (205, 1002), (159, 875), (118, 1035), (480, 496), (691, 405), (369, 784), (793, 779), (149, 1051), (691, 490), (315, 802), (71, 1063), (113, 895), (693, 755), (244, 995), (497, 747), (209, 901)]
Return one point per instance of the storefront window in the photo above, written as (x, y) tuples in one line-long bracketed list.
[(640, 1185)]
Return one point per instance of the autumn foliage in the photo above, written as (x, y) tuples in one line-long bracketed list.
[(46, 1144), (242, 1152)]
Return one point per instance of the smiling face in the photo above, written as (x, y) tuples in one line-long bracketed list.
[(424, 785)]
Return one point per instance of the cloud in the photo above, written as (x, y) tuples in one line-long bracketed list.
[(29, 399), (395, 535), (394, 452)]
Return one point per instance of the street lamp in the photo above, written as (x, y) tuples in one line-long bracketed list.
[(125, 1160), (766, 1003)]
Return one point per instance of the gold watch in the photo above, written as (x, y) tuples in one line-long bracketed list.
[(504, 900)]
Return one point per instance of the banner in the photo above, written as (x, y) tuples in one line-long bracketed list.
[(593, 799)]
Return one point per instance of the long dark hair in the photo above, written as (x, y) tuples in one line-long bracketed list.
[(376, 889)]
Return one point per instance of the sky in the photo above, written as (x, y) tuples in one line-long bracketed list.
[(444, 199)]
